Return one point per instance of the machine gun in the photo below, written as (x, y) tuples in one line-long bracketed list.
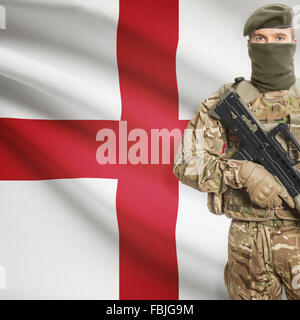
[(258, 145)]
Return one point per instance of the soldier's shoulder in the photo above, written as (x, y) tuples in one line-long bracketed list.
[(213, 98), (295, 89), (223, 88)]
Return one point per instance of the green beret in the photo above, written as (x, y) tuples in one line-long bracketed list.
[(269, 16)]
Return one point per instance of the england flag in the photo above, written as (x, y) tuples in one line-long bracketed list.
[(93, 97)]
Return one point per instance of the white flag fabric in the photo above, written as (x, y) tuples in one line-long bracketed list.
[(70, 227)]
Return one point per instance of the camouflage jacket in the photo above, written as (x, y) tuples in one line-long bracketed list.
[(215, 172)]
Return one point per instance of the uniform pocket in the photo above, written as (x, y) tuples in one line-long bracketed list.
[(240, 259)]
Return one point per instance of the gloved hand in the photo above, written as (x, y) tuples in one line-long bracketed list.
[(263, 189)]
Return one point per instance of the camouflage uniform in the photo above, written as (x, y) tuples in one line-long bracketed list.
[(261, 257)]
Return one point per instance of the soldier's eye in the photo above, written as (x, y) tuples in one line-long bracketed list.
[(280, 38), (260, 38)]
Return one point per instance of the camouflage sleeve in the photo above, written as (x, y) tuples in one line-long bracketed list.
[(200, 162)]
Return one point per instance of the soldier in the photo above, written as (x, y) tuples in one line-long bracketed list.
[(264, 235)]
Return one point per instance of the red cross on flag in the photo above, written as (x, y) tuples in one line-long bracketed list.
[(90, 207)]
